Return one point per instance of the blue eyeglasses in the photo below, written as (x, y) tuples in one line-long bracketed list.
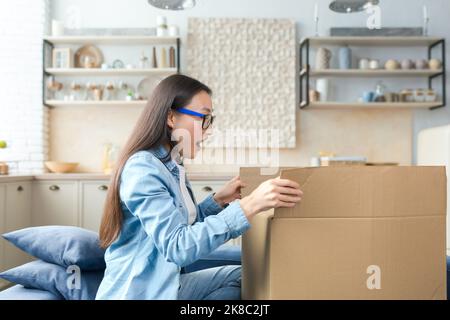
[(208, 119)]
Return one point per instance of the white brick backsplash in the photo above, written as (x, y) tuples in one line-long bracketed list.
[(23, 121)]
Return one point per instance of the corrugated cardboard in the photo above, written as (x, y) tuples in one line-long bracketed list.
[(359, 233)]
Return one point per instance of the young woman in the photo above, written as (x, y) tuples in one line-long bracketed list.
[(152, 226)]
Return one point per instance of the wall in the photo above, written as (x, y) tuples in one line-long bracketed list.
[(23, 120), (388, 135)]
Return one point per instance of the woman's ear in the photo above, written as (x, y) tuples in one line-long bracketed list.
[(171, 120)]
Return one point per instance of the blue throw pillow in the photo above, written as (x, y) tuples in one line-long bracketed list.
[(61, 245), (63, 282)]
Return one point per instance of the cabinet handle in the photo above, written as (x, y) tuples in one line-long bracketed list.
[(54, 188), (19, 188), (103, 188), (207, 189)]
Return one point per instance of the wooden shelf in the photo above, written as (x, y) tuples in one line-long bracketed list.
[(378, 41), (110, 72), (59, 104), (113, 40), (374, 105), (373, 73)]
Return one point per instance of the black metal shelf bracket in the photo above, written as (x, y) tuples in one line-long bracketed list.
[(304, 74), (442, 74)]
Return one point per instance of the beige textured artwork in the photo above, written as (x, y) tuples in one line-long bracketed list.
[(250, 64)]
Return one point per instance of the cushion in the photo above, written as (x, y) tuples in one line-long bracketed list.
[(19, 292), (61, 245), (56, 279)]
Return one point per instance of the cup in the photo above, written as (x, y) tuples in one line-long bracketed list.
[(368, 96), (364, 64), (374, 64)]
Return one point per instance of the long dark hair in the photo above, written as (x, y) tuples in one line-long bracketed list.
[(151, 131)]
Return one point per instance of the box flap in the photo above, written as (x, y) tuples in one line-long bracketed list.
[(359, 191)]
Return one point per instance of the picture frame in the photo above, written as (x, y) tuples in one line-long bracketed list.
[(62, 58)]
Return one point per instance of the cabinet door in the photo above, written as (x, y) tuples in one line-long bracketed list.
[(3, 283), (93, 195), (202, 189), (17, 216), (55, 203)]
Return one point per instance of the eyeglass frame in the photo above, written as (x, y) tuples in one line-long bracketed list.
[(197, 114)]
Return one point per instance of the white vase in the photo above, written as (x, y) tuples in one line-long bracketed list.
[(322, 86)]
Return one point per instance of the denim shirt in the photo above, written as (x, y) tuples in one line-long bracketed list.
[(156, 241)]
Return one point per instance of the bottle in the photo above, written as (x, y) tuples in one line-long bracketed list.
[(380, 93)]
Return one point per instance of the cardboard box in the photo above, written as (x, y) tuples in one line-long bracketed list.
[(359, 233)]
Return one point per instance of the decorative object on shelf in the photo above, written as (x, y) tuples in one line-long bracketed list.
[(172, 63), (143, 61), (430, 96), (122, 90), (57, 28), (426, 20), (163, 63), (174, 31), (110, 90), (345, 58), (364, 63), (314, 95), (368, 96), (62, 58), (118, 64), (172, 4), (316, 19), (380, 92), (421, 64), (130, 66), (408, 64), (435, 64), (155, 59), (88, 56), (391, 97), (54, 87), (392, 64), (351, 6), (419, 95), (323, 57), (4, 169), (130, 95), (407, 95), (105, 66), (75, 88), (161, 26), (98, 92), (322, 86), (374, 64), (61, 167), (383, 32)]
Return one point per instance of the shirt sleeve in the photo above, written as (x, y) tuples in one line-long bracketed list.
[(208, 207), (145, 192)]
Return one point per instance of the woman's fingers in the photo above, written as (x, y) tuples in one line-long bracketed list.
[(286, 183), (285, 190), (286, 198)]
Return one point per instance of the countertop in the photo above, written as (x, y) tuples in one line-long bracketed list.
[(100, 176)]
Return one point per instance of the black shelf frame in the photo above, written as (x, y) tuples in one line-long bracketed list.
[(47, 49), (305, 69)]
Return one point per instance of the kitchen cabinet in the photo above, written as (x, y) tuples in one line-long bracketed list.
[(55, 203), (3, 283), (92, 201), (202, 189), (17, 216)]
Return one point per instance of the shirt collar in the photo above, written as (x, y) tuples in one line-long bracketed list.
[(161, 153)]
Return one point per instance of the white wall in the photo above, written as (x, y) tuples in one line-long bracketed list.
[(23, 120), (399, 13)]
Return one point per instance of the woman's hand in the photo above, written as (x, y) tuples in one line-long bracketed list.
[(230, 192), (273, 193)]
